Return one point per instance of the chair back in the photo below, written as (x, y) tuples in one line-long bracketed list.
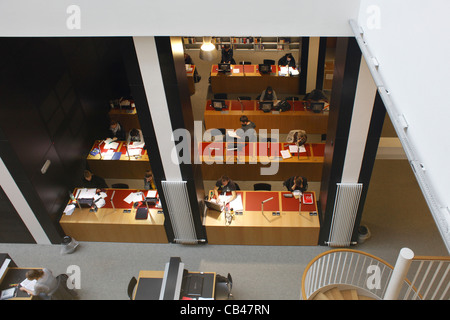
[(262, 186), (120, 186), (131, 286), (269, 62)]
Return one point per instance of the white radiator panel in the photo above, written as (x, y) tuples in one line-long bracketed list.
[(344, 214), (179, 209)]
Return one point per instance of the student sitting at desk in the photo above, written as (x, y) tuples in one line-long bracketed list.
[(268, 95), (296, 183), (92, 181), (316, 96), (45, 282), (116, 131), (287, 60), (224, 185), (135, 136), (247, 125), (227, 55), (149, 184)]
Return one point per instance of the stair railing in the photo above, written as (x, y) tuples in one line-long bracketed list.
[(346, 267), (413, 278)]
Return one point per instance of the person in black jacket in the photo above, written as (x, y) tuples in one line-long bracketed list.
[(227, 55), (287, 60), (92, 181), (116, 131), (296, 183)]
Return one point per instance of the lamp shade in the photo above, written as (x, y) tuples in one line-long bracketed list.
[(208, 50)]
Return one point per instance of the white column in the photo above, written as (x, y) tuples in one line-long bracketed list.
[(17, 199), (399, 274), (313, 61), (157, 103), (359, 128)]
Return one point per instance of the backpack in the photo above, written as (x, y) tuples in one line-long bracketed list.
[(283, 106)]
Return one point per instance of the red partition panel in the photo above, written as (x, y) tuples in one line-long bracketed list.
[(254, 199)]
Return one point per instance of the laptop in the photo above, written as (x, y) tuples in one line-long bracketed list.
[(213, 205)]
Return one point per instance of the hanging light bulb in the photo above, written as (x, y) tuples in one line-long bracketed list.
[(208, 50)]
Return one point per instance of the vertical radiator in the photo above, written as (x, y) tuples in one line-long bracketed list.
[(344, 214), (179, 209)]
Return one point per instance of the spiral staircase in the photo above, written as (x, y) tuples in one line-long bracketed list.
[(345, 274)]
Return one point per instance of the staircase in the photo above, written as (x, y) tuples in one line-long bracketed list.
[(340, 294), (345, 274)]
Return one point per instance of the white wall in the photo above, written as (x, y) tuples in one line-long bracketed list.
[(411, 41), (178, 17)]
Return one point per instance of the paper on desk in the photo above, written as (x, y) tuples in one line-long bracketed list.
[(232, 134), (134, 152), (294, 149), (285, 154), (136, 144), (69, 209), (151, 194), (235, 70), (111, 145), (8, 293), (28, 284), (86, 193), (134, 197), (236, 204), (108, 154)]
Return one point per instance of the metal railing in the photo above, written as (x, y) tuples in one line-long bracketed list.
[(371, 275), (430, 276)]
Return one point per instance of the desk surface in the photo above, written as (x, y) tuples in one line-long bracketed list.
[(248, 70), (13, 277), (254, 227), (290, 216), (295, 118), (114, 215), (121, 148), (110, 224), (265, 152), (149, 284), (247, 79)]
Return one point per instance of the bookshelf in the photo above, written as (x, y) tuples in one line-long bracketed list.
[(248, 43)]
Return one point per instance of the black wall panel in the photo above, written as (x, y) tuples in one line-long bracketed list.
[(56, 105)]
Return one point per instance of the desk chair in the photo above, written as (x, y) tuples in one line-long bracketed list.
[(245, 98), (269, 62), (131, 286), (222, 96), (292, 98), (215, 134), (222, 290), (61, 292), (120, 186), (262, 186), (245, 62), (237, 187), (268, 140)]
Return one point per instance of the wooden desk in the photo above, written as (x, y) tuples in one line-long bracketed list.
[(127, 117), (296, 118), (290, 228), (190, 78), (249, 80), (124, 168), (113, 225), (14, 276), (149, 284), (252, 160)]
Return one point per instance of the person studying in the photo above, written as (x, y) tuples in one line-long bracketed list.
[(296, 183), (224, 185)]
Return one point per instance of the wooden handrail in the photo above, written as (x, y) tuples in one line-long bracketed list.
[(334, 251), (431, 258)]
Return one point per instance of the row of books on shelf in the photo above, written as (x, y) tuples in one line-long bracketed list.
[(238, 40)]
